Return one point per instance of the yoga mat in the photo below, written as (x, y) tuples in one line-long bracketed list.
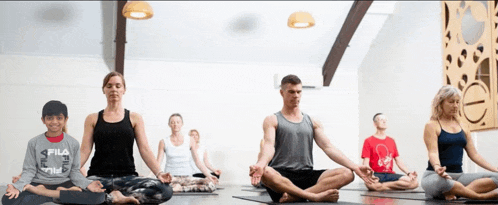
[(255, 190), (421, 197), (362, 187), (387, 191), (267, 200), (251, 186), (193, 193)]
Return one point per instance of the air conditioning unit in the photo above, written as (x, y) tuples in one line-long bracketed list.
[(309, 81)]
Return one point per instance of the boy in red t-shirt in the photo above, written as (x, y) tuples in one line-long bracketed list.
[(378, 152)]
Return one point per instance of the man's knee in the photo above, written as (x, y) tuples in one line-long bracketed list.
[(269, 175), (347, 175)]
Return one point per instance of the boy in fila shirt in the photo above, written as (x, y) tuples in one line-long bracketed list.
[(51, 167), (378, 152)]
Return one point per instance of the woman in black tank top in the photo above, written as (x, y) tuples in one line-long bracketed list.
[(446, 138), (114, 131)]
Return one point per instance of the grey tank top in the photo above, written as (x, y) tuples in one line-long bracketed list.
[(293, 144)]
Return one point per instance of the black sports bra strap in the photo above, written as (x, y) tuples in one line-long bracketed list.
[(439, 124)]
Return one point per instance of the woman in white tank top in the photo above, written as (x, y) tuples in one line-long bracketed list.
[(202, 156), (177, 150)]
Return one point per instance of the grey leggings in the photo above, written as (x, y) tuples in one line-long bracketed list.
[(434, 185)]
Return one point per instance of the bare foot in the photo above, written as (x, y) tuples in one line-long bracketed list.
[(449, 197), (31, 188), (331, 195), (286, 198), (28, 187), (177, 188), (489, 195), (119, 198)]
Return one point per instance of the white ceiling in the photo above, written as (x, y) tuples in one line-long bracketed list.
[(240, 31)]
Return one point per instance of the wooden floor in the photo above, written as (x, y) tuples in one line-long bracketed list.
[(225, 197)]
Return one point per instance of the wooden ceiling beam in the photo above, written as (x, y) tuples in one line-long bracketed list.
[(355, 15), (120, 38)]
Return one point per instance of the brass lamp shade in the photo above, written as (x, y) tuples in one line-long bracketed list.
[(139, 10), (300, 20)]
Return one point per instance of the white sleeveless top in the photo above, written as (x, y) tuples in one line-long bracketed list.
[(177, 157), (200, 155)]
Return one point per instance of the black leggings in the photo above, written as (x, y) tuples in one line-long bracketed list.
[(146, 190)]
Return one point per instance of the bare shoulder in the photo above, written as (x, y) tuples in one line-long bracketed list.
[(431, 125), (92, 118), (316, 123), (136, 118), (270, 120)]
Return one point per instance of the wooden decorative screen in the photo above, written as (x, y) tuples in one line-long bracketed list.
[(470, 40)]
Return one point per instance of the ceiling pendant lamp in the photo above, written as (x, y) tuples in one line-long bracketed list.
[(138, 10), (300, 20)]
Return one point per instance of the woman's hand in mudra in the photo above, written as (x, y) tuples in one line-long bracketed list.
[(164, 177)]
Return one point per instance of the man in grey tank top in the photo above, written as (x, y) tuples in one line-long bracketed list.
[(287, 150)]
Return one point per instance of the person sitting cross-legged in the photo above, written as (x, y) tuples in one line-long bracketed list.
[(285, 164), (379, 151)]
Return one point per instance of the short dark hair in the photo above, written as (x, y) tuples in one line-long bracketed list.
[(177, 115), (292, 79), (54, 108), (376, 116)]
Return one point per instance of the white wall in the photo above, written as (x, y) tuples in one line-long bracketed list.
[(225, 102), (399, 77), (27, 83)]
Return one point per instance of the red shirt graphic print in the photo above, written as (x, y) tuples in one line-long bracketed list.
[(381, 153)]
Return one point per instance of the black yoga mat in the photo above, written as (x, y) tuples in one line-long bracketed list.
[(362, 187), (387, 191), (421, 197), (193, 193), (255, 190), (267, 200)]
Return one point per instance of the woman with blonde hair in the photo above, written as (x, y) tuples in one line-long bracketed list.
[(202, 156), (445, 138)]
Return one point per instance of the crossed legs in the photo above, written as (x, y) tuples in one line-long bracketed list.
[(191, 184), (478, 186), (43, 191), (403, 183), (134, 189), (324, 190), (472, 186)]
